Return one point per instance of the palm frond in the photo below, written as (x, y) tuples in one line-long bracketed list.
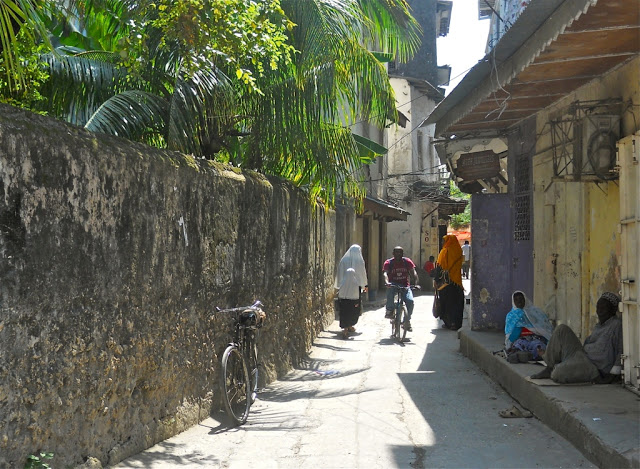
[(135, 115), (393, 29), (13, 14), (92, 24), (201, 111), (78, 85)]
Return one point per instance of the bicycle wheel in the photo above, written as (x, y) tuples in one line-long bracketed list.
[(236, 394), (393, 327), (404, 319), (398, 322)]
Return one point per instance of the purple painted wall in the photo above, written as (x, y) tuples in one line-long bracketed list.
[(491, 261)]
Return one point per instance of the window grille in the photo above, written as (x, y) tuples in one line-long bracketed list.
[(522, 189), (522, 228)]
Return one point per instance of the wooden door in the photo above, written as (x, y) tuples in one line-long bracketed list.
[(629, 163)]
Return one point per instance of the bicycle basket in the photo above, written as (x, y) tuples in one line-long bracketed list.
[(252, 319)]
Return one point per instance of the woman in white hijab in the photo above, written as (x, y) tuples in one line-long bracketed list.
[(352, 258), (351, 280)]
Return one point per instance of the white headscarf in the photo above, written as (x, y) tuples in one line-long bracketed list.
[(349, 288), (352, 259)]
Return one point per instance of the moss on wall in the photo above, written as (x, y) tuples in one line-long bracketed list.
[(113, 257)]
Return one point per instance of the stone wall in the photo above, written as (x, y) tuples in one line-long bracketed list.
[(113, 257)]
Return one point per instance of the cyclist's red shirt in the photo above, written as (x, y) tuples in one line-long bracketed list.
[(398, 271)]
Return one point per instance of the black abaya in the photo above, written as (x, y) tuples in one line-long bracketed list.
[(452, 303)]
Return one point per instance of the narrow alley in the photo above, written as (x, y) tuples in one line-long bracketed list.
[(370, 402)]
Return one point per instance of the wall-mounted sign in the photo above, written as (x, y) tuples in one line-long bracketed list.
[(478, 165)]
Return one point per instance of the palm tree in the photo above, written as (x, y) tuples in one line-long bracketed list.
[(334, 81), (281, 114)]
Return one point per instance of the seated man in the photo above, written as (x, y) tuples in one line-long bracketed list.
[(598, 360)]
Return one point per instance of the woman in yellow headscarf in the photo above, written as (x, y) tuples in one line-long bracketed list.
[(449, 285)]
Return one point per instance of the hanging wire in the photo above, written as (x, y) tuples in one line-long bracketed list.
[(502, 106)]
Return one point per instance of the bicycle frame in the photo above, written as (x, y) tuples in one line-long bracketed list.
[(245, 339), (400, 313), (239, 363)]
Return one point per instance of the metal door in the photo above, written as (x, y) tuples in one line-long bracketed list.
[(628, 161), (491, 261)]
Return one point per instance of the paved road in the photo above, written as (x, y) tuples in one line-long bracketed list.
[(368, 403)]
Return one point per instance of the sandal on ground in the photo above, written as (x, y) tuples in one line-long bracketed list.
[(345, 334), (515, 413)]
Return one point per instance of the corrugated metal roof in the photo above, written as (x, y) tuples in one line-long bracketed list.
[(383, 210), (553, 48)]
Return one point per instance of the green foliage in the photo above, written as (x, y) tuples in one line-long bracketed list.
[(37, 462), (14, 14), (461, 220), (21, 87), (242, 36), (271, 85)]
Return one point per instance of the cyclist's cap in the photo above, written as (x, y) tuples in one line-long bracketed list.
[(398, 249)]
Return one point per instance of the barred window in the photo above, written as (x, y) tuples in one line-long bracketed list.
[(522, 228), (522, 188)]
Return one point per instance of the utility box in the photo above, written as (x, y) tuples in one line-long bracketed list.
[(600, 132)]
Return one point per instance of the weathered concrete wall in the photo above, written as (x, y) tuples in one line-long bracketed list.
[(576, 242), (112, 259)]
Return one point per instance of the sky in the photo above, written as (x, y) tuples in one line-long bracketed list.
[(465, 44)]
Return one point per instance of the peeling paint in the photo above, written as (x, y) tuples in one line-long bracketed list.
[(484, 296)]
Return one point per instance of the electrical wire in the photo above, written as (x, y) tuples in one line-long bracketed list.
[(414, 99), (502, 106)]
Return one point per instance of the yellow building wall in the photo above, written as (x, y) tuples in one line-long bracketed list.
[(603, 247), (576, 240)]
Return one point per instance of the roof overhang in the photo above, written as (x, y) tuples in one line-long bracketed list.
[(382, 210), (451, 207), (553, 48), (423, 86), (435, 193)]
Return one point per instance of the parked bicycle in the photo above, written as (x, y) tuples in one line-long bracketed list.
[(239, 370), (400, 320)]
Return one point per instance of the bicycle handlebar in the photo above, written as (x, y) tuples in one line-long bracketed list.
[(396, 285), (257, 305)]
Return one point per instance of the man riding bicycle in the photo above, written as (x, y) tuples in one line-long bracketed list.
[(399, 270)]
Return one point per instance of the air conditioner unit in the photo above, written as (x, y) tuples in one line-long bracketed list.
[(599, 136)]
